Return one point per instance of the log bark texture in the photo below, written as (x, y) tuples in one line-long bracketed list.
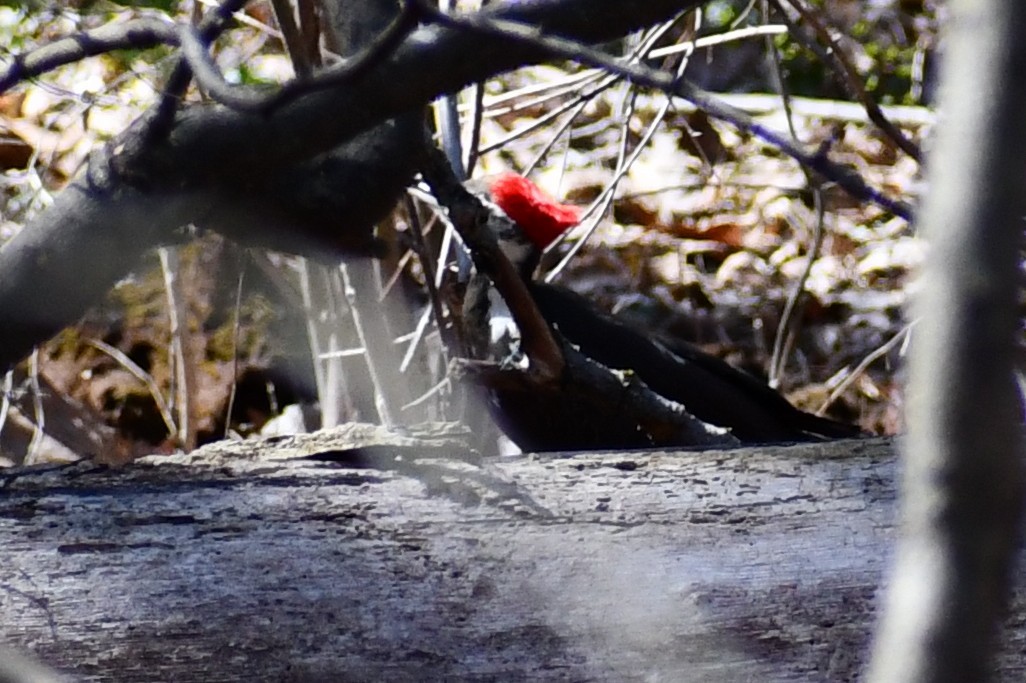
[(352, 556)]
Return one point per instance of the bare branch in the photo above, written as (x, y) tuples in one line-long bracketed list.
[(206, 73), (838, 61), (212, 143), (846, 178), (255, 99), (162, 118), (134, 34), (295, 42)]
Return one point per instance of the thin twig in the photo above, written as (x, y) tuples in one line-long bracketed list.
[(571, 82), (146, 378), (871, 358), (601, 204), (39, 422), (791, 317), (378, 355), (434, 298), (476, 120), (236, 332), (318, 316), (593, 214), (182, 361), (436, 389), (574, 106)]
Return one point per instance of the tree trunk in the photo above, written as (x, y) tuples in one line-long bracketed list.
[(306, 558), (964, 481)]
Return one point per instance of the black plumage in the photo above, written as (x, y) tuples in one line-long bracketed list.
[(706, 386)]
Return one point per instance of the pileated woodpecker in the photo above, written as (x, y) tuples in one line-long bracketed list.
[(707, 387)]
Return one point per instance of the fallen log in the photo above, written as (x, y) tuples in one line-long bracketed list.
[(403, 559)]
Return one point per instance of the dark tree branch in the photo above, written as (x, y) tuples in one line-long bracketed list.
[(209, 143), (295, 43), (229, 170), (135, 34), (353, 69), (248, 175), (210, 79), (523, 34), (253, 99), (98, 228), (161, 119), (310, 25)]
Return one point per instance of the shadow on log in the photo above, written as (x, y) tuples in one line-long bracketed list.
[(353, 555)]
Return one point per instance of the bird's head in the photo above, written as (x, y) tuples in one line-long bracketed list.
[(525, 222), (536, 220), (541, 218)]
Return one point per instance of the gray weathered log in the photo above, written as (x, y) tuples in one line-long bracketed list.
[(302, 558)]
